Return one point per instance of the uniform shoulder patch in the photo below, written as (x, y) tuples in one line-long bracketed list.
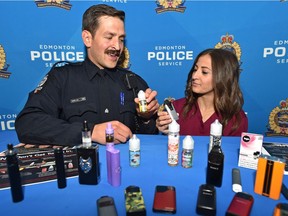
[(41, 84)]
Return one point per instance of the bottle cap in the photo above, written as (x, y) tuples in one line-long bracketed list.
[(188, 142), (174, 127), (216, 128), (109, 128), (134, 143), (141, 95)]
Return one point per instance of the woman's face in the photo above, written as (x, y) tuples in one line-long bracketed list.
[(202, 76)]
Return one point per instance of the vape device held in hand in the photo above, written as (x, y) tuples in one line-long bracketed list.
[(165, 199), (240, 205), (106, 206), (170, 109), (60, 167), (134, 201), (206, 201), (269, 176)]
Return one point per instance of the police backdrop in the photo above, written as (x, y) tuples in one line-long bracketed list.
[(163, 39)]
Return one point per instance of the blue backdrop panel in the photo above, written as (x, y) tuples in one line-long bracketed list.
[(162, 46)]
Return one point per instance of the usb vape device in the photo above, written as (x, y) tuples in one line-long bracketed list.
[(88, 159), (269, 176), (236, 180), (60, 167), (112, 158), (14, 174)]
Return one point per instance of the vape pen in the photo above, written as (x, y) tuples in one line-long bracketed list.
[(88, 159), (236, 180), (112, 158), (14, 174), (60, 167)]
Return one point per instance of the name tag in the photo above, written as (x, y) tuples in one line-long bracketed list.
[(77, 100)]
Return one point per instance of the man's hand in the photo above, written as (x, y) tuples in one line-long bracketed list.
[(152, 104), (121, 132)]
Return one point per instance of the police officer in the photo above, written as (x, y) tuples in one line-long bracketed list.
[(96, 90)]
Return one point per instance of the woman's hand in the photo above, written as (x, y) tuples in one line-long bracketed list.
[(163, 121)]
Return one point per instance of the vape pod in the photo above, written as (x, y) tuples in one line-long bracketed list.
[(269, 176)]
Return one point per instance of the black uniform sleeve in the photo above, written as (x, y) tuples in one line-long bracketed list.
[(39, 122)]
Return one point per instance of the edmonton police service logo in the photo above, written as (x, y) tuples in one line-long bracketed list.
[(278, 120), (3, 65), (54, 3), (170, 5), (228, 44)]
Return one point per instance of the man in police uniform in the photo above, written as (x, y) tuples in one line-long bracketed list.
[(96, 90)]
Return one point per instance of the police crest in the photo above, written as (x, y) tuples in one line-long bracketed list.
[(124, 59), (3, 65), (228, 44), (278, 120), (170, 5)]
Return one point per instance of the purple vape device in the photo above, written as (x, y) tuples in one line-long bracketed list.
[(112, 158)]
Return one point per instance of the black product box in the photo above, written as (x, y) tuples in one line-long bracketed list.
[(37, 164)]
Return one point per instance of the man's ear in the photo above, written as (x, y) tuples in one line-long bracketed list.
[(87, 38)]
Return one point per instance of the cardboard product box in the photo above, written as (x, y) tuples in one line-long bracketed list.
[(250, 150), (38, 164)]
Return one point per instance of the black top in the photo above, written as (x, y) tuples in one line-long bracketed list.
[(70, 94)]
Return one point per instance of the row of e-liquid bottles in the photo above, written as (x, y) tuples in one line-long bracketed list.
[(215, 164), (173, 147)]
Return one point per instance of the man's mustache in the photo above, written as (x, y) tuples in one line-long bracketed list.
[(113, 52)]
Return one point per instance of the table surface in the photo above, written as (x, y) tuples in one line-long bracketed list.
[(76, 199)]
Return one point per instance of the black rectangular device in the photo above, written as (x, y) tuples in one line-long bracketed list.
[(106, 206), (206, 201)]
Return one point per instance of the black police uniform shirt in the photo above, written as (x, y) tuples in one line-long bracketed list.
[(68, 95)]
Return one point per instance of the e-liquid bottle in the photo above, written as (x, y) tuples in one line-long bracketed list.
[(142, 101), (88, 159), (14, 174), (134, 151), (173, 143), (215, 134), (86, 135), (187, 152)]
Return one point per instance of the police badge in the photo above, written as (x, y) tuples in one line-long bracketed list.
[(278, 120)]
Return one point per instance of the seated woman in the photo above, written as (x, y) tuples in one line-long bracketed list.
[(212, 92)]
